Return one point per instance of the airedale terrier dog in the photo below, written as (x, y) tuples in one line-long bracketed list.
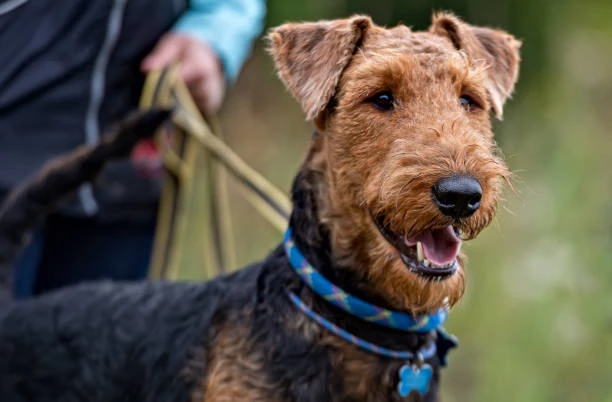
[(349, 307)]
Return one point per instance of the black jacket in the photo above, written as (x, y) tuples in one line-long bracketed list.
[(68, 69)]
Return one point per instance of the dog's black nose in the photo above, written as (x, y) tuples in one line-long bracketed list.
[(457, 196)]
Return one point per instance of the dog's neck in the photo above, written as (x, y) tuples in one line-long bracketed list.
[(313, 238), (311, 234)]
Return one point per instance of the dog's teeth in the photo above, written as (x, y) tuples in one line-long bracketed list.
[(420, 255), (426, 262)]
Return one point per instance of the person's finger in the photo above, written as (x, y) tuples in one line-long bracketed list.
[(209, 94), (167, 50), (200, 93), (200, 75), (193, 72)]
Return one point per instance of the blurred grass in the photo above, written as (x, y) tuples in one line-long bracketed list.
[(536, 322)]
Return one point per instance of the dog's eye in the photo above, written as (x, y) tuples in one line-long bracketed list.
[(383, 100), (468, 103)]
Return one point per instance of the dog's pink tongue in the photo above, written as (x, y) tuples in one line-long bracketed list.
[(440, 246)]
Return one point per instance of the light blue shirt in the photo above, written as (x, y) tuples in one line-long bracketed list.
[(228, 26)]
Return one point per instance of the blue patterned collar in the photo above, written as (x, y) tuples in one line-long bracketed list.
[(353, 305), (415, 375)]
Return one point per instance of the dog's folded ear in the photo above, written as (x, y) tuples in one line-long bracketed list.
[(310, 57), (497, 49)]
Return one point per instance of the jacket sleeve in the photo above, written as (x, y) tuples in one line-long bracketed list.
[(228, 26)]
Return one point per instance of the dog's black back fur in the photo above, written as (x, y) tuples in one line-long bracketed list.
[(110, 342)]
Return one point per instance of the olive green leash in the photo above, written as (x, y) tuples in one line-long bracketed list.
[(194, 221)]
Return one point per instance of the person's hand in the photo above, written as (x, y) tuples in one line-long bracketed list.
[(201, 69)]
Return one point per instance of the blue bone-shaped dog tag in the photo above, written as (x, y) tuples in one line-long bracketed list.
[(414, 378)]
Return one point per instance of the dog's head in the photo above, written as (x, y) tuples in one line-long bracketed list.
[(410, 164)]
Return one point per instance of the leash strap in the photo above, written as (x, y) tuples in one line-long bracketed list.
[(186, 160)]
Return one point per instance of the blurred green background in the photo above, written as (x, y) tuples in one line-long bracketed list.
[(536, 321)]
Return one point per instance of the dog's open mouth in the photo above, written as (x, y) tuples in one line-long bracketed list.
[(431, 254)]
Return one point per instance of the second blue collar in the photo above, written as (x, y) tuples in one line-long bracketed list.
[(353, 305)]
